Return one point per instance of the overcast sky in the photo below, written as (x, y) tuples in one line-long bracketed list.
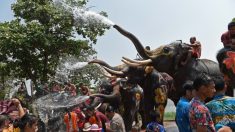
[(156, 22)]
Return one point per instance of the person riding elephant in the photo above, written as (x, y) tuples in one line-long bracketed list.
[(163, 59), (157, 86)]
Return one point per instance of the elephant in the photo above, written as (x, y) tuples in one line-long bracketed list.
[(166, 57), (156, 86), (131, 96), (225, 58)]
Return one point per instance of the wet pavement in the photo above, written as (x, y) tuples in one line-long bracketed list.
[(171, 126)]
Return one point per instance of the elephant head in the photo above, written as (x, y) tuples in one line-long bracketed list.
[(163, 58)]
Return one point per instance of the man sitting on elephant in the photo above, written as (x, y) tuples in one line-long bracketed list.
[(228, 38), (196, 47), (194, 52)]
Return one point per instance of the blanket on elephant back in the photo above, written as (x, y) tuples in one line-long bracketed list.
[(6, 106)]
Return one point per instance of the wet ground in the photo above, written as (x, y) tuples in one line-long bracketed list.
[(171, 126)]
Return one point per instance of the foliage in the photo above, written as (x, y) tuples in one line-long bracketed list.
[(169, 116), (33, 44)]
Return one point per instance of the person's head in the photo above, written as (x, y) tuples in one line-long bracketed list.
[(147, 48), (188, 90), (231, 29), (106, 87), (192, 40), (31, 124), (220, 85), (4, 121), (89, 111), (109, 112), (204, 85)]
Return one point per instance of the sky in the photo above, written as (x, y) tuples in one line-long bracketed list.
[(155, 23)]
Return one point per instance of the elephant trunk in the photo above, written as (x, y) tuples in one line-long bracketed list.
[(115, 96), (139, 47), (102, 63)]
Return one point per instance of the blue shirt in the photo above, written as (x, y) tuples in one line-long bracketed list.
[(182, 115), (222, 109), (155, 127)]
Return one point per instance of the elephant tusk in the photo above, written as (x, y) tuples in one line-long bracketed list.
[(130, 64), (141, 62), (113, 71), (104, 72)]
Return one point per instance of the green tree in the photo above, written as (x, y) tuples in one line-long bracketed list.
[(41, 34)]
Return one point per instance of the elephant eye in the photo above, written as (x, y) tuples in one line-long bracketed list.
[(166, 50)]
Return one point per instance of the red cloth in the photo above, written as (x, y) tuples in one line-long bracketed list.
[(6, 107), (98, 118), (73, 121), (101, 117)]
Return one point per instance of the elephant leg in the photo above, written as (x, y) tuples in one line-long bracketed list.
[(148, 106), (128, 118), (160, 103), (143, 118)]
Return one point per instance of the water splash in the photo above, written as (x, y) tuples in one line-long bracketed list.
[(67, 69), (75, 66), (51, 108), (82, 16)]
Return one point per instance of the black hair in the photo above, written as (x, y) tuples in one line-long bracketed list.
[(154, 115), (188, 85), (32, 119), (26, 119), (110, 109), (219, 83), (202, 79), (230, 25), (90, 108), (147, 47), (106, 87), (68, 112)]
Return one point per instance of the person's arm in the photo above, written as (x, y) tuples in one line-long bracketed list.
[(20, 108), (201, 128)]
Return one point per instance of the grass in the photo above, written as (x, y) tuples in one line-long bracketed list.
[(169, 116)]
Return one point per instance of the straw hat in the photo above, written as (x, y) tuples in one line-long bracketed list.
[(87, 127), (95, 127)]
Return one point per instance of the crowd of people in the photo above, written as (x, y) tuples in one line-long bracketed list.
[(193, 114), (203, 107)]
